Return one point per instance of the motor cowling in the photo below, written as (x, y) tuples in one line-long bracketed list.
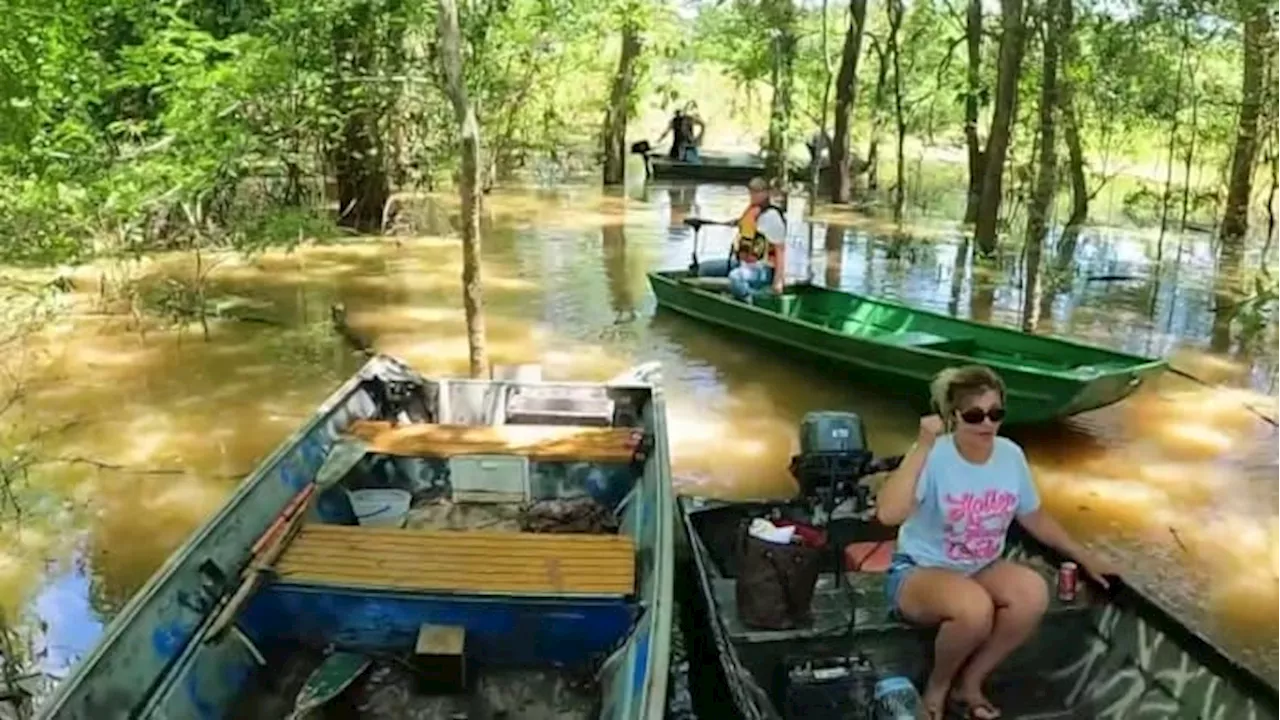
[(833, 456)]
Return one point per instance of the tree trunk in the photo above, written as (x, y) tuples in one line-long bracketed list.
[(895, 11), (1071, 125), (973, 80), (1173, 138), (782, 15), (1046, 182), (363, 189), (1259, 42), (615, 119), (1075, 153), (877, 118), (834, 247), (469, 130), (1189, 157), (846, 94), (1012, 43)]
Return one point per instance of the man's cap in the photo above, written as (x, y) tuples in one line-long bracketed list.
[(758, 184)]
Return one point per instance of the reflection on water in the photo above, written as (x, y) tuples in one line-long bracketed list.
[(150, 433)]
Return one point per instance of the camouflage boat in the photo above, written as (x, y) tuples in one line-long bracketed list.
[(1112, 654), (415, 550)]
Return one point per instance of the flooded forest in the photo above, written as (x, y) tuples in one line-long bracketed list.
[(209, 209)]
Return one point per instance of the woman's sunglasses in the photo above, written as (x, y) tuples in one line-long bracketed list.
[(973, 416)]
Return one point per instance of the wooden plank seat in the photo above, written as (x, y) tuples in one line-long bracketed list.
[(548, 443), (460, 561)]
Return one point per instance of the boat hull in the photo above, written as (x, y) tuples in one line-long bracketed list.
[(1116, 656), (159, 658), (715, 169), (898, 367)]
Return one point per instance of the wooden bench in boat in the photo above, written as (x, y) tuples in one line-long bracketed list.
[(460, 561), (548, 443)]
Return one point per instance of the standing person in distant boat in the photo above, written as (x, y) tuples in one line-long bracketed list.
[(819, 144), (676, 128), (955, 495), (684, 138), (759, 254), (694, 128)]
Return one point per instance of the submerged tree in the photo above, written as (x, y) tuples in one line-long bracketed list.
[(1259, 49), (972, 96), (1012, 43), (1046, 180), (469, 183), (621, 98), (781, 15), (846, 96)]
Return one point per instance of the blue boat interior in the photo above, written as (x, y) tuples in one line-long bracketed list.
[(490, 552)]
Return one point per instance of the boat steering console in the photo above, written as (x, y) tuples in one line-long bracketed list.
[(832, 464)]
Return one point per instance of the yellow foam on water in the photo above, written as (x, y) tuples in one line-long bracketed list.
[(1098, 504), (1193, 440), (1189, 484), (1245, 605)]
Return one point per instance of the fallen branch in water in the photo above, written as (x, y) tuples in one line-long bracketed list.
[(1255, 411), (116, 467), (338, 314)]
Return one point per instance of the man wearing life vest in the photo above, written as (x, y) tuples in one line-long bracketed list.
[(759, 256)]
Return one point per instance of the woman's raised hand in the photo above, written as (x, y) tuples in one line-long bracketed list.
[(930, 428)]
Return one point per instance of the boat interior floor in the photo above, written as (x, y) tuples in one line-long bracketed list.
[(860, 611), (390, 690)]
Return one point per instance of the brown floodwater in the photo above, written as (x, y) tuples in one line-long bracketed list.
[(133, 433)]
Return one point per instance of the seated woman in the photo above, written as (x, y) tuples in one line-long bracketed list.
[(955, 495)]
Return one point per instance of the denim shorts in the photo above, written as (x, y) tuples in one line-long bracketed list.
[(900, 566)]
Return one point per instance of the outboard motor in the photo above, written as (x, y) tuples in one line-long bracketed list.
[(833, 457)]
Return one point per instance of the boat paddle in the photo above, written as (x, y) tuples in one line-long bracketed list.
[(344, 456), (332, 676)]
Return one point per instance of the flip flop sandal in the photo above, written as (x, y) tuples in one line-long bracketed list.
[(931, 713), (981, 710)]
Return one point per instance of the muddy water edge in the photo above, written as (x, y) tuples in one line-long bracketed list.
[(130, 431)]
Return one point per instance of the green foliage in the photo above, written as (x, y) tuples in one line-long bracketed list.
[(118, 116)]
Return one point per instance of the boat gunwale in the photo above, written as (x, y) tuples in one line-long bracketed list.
[(658, 661), (1140, 365), (727, 654)]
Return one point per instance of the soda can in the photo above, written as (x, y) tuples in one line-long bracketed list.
[(1067, 578)]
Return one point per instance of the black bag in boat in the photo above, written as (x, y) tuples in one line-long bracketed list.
[(568, 515), (776, 582)]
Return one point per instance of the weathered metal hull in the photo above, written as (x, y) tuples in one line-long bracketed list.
[(156, 661), (1047, 378), (1121, 656), (715, 169)]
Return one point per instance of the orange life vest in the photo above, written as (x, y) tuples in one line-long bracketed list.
[(751, 245)]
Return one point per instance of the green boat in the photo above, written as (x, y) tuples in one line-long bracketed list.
[(421, 547), (1113, 653), (900, 348)]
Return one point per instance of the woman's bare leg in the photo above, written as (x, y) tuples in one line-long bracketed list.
[(963, 612), (1020, 596)]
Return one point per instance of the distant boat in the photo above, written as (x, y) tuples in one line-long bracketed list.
[(900, 348), (474, 535), (733, 169)]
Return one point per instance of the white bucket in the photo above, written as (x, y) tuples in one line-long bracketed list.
[(381, 507)]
